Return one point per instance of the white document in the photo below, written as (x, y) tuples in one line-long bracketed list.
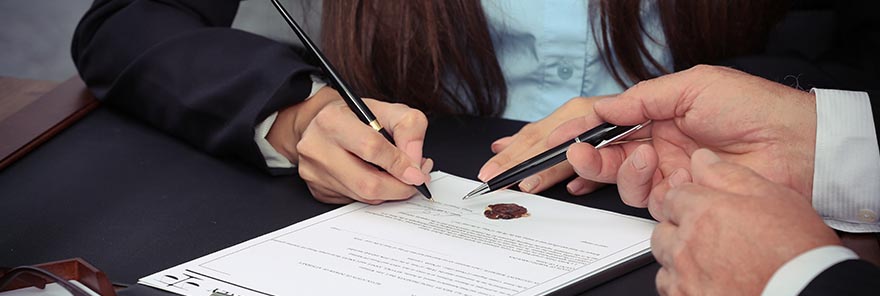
[(420, 247)]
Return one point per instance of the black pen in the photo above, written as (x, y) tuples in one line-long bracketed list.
[(600, 136), (354, 101)]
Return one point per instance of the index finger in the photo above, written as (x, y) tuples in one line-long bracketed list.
[(661, 98), (406, 125), (367, 144)]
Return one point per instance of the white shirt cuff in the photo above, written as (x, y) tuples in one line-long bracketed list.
[(847, 164), (272, 157), (797, 273)]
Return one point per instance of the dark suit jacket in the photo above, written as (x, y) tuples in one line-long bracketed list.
[(851, 277), (823, 44), (177, 65), (836, 45)]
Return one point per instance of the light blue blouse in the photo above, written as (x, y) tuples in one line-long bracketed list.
[(548, 53), (546, 48)]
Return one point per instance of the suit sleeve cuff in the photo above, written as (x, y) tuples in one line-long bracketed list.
[(272, 157), (797, 273)]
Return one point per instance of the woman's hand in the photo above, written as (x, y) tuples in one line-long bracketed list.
[(533, 139), (334, 150)]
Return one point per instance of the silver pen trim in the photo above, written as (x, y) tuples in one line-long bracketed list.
[(632, 130), (479, 191)]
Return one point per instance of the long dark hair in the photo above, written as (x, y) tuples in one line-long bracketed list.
[(696, 31), (438, 56)]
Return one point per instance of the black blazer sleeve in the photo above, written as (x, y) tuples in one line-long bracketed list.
[(823, 44), (851, 277), (179, 66)]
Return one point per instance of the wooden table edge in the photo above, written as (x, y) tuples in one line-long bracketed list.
[(36, 123)]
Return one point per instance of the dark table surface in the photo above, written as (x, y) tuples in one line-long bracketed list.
[(132, 200)]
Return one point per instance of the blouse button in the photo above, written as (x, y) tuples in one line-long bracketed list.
[(564, 71)]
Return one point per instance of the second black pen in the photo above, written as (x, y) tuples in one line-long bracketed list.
[(599, 136)]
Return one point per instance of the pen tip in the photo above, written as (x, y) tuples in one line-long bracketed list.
[(424, 190), (483, 188)]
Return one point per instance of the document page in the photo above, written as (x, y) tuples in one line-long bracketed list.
[(421, 247)]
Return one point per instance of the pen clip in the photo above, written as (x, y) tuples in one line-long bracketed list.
[(622, 135)]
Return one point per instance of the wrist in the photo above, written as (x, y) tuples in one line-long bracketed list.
[(293, 121), (806, 131)]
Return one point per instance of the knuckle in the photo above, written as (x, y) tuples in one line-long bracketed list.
[(327, 115), (319, 196), (501, 159), (642, 84), (663, 281), (305, 146), (399, 164), (322, 116), (371, 147), (703, 68), (368, 188), (710, 70), (394, 105), (529, 130), (415, 117), (306, 174)]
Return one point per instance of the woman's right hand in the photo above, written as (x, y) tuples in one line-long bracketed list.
[(334, 150)]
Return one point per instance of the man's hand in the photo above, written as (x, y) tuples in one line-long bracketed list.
[(768, 127), (730, 230)]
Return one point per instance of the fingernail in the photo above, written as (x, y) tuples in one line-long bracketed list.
[(638, 160), (530, 183), (490, 168), (413, 176), (494, 147), (708, 156), (427, 166), (575, 186), (678, 177)]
